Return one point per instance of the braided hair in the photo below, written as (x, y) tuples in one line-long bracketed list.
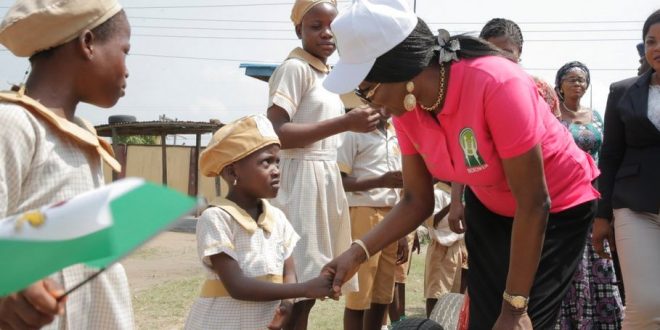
[(498, 27), (564, 70), (407, 59)]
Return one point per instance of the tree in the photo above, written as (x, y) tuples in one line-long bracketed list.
[(136, 139)]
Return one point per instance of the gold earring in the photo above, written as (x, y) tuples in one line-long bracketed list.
[(410, 101)]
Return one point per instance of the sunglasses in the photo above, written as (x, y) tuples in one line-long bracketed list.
[(366, 95)]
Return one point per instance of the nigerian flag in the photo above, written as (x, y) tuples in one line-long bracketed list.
[(96, 228)]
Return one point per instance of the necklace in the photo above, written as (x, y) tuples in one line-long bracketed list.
[(441, 91), (563, 103)]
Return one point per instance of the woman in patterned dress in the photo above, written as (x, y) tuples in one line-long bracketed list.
[(593, 301)]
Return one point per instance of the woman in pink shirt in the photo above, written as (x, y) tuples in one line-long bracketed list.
[(465, 113)]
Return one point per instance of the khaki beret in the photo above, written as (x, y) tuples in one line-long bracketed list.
[(236, 141), (301, 7), (31, 26)]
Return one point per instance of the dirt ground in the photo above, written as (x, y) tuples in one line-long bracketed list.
[(170, 256), (165, 276)]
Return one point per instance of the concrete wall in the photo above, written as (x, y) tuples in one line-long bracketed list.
[(145, 161)]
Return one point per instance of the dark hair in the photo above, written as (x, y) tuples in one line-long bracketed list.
[(652, 19), (640, 49), (498, 27), (407, 59), (564, 70), (103, 32)]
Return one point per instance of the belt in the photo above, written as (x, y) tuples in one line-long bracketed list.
[(309, 154), (215, 288)]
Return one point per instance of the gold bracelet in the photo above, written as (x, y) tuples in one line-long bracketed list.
[(363, 246)]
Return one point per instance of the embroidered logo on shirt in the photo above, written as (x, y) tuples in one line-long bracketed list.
[(473, 161)]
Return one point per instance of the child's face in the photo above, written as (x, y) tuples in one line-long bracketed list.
[(314, 31), (106, 80), (259, 173)]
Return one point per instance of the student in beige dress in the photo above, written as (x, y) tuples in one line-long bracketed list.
[(77, 50), (307, 119), (245, 244)]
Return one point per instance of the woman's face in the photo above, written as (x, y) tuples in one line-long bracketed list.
[(506, 44), (314, 31), (652, 47), (385, 96), (574, 84)]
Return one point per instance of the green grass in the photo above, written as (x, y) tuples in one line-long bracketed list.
[(166, 305)]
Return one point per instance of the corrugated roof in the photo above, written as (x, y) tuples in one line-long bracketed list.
[(158, 128)]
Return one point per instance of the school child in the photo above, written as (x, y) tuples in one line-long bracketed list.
[(370, 165), (446, 255), (307, 119), (397, 309), (245, 243), (77, 52)]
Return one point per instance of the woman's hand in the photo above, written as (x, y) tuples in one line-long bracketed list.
[(319, 287), (602, 231), (343, 267), (512, 319)]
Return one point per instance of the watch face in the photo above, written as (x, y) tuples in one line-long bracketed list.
[(518, 302)]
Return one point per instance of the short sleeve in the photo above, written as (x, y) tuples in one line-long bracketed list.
[(513, 115), (405, 145), (289, 235), (214, 235), (290, 81), (17, 147), (346, 152)]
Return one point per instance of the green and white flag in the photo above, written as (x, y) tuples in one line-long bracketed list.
[(96, 228)]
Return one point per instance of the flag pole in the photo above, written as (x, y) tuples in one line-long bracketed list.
[(77, 286)]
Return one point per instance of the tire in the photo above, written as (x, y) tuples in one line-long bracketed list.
[(447, 310), (121, 119), (415, 323)]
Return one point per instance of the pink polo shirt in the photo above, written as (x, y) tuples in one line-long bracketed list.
[(493, 111)]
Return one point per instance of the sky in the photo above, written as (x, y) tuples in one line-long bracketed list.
[(185, 55)]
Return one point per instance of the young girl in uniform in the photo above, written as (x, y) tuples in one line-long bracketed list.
[(245, 243), (77, 51), (307, 119)]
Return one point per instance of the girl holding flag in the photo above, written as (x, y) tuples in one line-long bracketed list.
[(77, 51)]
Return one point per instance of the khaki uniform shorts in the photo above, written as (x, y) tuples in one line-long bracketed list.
[(443, 269), (376, 276), (401, 273)]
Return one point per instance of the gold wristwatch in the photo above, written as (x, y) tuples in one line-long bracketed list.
[(518, 302)]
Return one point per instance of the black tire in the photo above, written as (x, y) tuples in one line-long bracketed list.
[(417, 324), (121, 119)]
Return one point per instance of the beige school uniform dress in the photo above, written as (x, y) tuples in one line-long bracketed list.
[(260, 249), (311, 193), (364, 155), (47, 159)]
